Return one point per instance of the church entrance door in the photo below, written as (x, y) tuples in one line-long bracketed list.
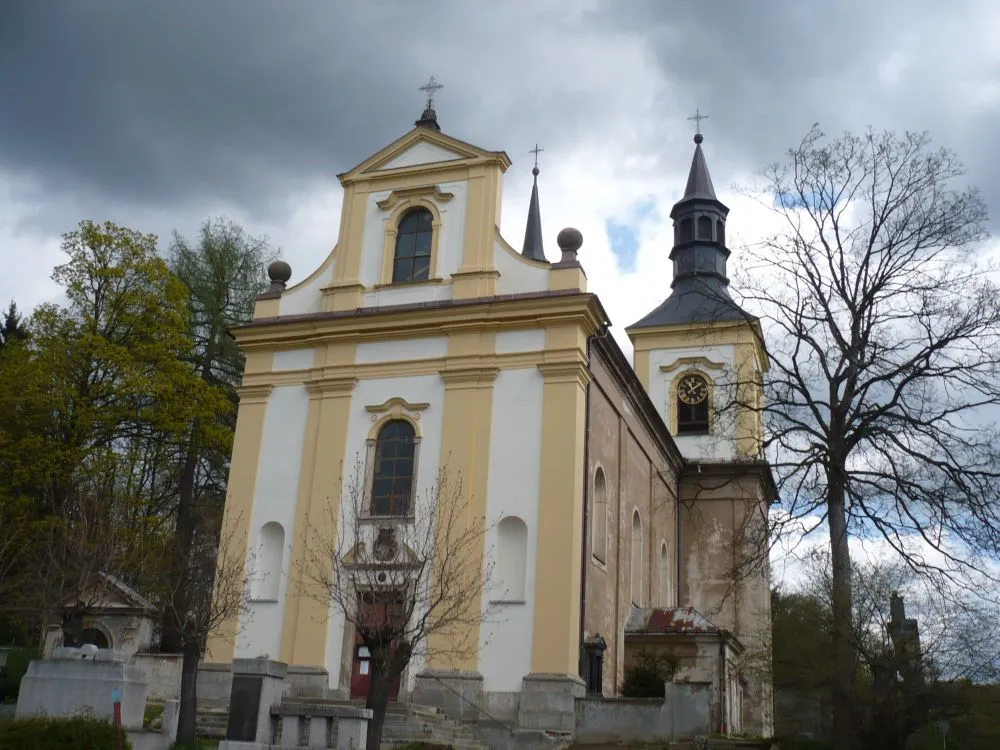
[(361, 674), (378, 610)]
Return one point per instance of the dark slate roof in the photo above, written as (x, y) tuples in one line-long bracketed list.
[(695, 300), (533, 231), (428, 119), (699, 184)]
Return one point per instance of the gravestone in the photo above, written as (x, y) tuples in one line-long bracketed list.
[(257, 685), (86, 679)]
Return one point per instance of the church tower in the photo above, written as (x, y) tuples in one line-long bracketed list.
[(702, 360), (699, 355)]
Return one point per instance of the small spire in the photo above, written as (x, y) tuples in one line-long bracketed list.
[(533, 231), (429, 117), (699, 184)]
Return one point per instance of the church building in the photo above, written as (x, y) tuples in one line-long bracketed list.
[(622, 498)]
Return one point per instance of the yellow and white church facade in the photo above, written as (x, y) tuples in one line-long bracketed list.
[(616, 491)]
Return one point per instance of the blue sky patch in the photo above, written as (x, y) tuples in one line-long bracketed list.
[(624, 235)]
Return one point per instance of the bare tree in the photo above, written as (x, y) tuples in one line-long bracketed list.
[(409, 587), (883, 332), (216, 589)]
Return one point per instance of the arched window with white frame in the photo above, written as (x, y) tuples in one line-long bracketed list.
[(636, 559), (599, 522)]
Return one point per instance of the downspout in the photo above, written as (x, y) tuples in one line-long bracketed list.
[(584, 547), (723, 713)]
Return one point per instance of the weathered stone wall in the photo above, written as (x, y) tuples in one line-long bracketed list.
[(639, 474), (685, 711), (718, 514)]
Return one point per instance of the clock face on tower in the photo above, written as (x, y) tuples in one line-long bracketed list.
[(692, 389)]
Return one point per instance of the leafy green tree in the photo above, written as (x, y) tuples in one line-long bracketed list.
[(904, 680), (13, 328), (222, 273), (90, 438)]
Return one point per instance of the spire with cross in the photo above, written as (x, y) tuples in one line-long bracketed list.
[(429, 118), (697, 117), (431, 88), (533, 231), (536, 151)]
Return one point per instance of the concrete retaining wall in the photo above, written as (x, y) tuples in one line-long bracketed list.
[(684, 712)]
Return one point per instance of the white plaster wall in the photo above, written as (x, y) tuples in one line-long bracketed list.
[(307, 296), (275, 499), (294, 359), (517, 275), (414, 389), (721, 444), (406, 295), (528, 340), (449, 247), (400, 350), (515, 475), (421, 152)]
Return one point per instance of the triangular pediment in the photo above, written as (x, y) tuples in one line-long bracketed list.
[(423, 147)]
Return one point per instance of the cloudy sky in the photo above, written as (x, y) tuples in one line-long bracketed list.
[(160, 115)]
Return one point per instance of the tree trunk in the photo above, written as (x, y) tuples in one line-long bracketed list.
[(378, 701), (844, 725), (188, 708), (170, 639)]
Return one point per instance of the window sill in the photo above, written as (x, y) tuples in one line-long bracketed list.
[(256, 600), (505, 602), (397, 284), (386, 519)]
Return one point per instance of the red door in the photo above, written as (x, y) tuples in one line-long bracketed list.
[(361, 678), (361, 675)]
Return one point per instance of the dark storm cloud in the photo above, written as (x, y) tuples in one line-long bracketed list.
[(153, 101), (766, 71), (159, 103), (243, 102)]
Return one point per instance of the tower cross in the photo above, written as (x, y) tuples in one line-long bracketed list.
[(430, 88), (536, 150), (698, 117)]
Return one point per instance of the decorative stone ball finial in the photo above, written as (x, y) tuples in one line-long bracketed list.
[(279, 272), (698, 138), (569, 241)]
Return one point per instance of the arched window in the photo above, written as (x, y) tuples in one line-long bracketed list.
[(692, 405), (94, 636), (704, 228), (664, 579), (412, 260), (271, 550), (636, 559), (686, 231), (599, 523), (392, 483), (720, 232), (512, 559)]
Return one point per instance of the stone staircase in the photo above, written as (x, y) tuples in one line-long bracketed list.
[(406, 723), (210, 723)]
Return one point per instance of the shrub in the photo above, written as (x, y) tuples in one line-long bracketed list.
[(648, 675), (18, 659), (45, 733)]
